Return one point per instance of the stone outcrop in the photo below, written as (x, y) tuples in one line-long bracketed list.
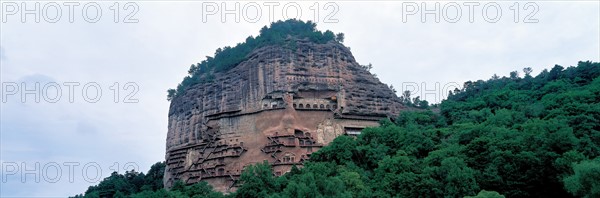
[(279, 105)]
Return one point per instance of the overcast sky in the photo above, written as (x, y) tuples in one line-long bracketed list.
[(135, 63)]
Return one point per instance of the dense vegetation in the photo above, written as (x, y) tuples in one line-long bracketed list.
[(507, 136), (130, 183), (228, 57)]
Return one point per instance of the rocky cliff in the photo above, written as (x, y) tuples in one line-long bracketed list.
[(279, 104)]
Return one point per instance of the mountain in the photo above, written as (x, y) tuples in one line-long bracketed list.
[(278, 98)]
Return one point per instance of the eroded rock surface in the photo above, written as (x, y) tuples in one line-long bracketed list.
[(278, 105)]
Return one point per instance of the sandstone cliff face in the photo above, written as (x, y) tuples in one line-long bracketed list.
[(279, 105)]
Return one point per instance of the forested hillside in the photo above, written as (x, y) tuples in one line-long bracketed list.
[(507, 136)]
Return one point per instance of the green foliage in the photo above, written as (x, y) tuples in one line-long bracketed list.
[(162, 193), (150, 185), (180, 190), (585, 182), (123, 185), (315, 180), (486, 194), (279, 33), (512, 136), (257, 181), (200, 190), (170, 94), (340, 37), (339, 152), (414, 102)]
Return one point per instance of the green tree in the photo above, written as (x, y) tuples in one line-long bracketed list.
[(339, 37), (405, 98), (527, 71), (585, 182), (486, 194), (257, 181)]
